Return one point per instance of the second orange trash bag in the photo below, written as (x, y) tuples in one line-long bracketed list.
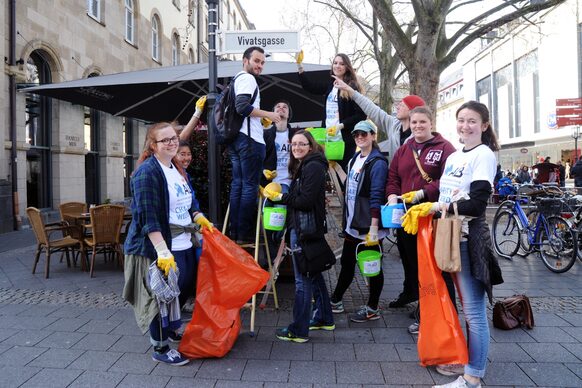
[(227, 278), (440, 338)]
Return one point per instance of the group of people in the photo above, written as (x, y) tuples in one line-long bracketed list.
[(415, 165)]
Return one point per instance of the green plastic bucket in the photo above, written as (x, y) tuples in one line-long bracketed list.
[(318, 134), (369, 261), (334, 150), (274, 218)]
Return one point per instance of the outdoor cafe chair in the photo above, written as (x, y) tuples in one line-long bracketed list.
[(106, 221), (70, 213), (44, 242)]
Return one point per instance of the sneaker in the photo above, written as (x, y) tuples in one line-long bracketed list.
[(171, 357), (450, 369), (174, 336), (337, 307), (458, 383), (365, 314), (285, 335), (315, 325), (413, 329), (401, 301)]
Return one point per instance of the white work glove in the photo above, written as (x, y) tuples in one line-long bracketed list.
[(413, 196), (372, 236)]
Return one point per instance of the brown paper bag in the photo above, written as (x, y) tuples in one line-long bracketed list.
[(447, 240)]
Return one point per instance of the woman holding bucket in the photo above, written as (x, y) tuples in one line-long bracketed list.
[(414, 175), (307, 167), (341, 112), (365, 184)]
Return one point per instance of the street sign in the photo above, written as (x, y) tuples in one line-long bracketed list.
[(235, 42), (568, 111), (569, 120)]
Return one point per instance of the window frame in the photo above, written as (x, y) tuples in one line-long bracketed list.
[(175, 49), (155, 43), (130, 18), (91, 4)]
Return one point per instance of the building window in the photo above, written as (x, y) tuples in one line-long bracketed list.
[(129, 21), (176, 4), (190, 56), (484, 92), (503, 102), (94, 9), (155, 38), (527, 94), (175, 50), (192, 8)]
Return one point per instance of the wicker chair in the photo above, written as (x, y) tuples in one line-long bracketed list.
[(43, 232), (69, 212), (106, 221)]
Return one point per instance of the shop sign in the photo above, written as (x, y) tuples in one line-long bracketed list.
[(523, 150), (568, 111)]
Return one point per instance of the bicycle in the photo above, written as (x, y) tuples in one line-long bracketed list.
[(547, 233)]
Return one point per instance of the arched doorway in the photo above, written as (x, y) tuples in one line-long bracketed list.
[(38, 135)]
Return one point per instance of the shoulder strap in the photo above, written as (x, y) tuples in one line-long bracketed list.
[(423, 173)]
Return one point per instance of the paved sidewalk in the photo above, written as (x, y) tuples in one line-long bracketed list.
[(74, 331)]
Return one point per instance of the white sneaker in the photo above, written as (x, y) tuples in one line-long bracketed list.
[(450, 369), (458, 383)]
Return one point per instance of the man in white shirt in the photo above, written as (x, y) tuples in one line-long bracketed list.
[(247, 151)]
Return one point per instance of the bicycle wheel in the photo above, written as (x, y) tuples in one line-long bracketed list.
[(557, 243), (506, 232)]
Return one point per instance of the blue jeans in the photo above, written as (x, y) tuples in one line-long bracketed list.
[(305, 288), (187, 263), (246, 156), (473, 299), (158, 335)]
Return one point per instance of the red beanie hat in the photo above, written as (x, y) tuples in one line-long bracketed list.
[(413, 101)]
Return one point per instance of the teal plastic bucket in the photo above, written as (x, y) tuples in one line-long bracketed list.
[(274, 218), (369, 260), (334, 150), (391, 215), (318, 134)]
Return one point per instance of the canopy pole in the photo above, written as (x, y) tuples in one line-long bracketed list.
[(213, 162)]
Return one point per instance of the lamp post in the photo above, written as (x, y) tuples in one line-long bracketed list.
[(575, 135)]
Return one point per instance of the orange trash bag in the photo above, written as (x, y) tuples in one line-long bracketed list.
[(440, 338), (227, 278)]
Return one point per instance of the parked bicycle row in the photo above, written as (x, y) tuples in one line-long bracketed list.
[(539, 219)]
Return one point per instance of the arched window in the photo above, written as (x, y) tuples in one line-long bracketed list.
[(175, 50), (129, 21), (38, 134), (190, 55), (155, 38)]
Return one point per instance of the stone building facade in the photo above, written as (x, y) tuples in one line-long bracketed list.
[(67, 152)]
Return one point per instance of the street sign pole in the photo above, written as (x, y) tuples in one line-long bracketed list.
[(214, 196)]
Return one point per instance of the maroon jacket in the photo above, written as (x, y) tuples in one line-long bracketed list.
[(404, 175)]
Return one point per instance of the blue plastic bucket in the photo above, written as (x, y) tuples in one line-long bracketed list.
[(391, 215), (369, 260)]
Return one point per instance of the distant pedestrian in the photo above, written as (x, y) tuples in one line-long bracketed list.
[(562, 173), (576, 171), (523, 176)]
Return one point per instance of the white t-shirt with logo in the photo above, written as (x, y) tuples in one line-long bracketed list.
[(179, 206), (247, 84), (283, 148), (461, 169), (332, 108)]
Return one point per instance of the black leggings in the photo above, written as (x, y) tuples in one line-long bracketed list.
[(348, 261)]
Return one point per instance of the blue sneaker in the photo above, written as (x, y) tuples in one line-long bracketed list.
[(171, 357), (315, 325), (365, 314), (285, 335)]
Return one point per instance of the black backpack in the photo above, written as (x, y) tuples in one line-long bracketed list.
[(226, 120)]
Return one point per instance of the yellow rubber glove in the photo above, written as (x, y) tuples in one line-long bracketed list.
[(266, 122), (331, 131), (372, 236), (410, 218), (270, 174), (165, 263), (413, 196), (203, 222), (299, 57), (271, 194), (200, 106)]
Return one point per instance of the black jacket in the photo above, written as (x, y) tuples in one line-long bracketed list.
[(576, 170), (307, 191), (350, 113)]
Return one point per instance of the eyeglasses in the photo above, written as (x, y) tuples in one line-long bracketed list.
[(168, 140), (299, 144), (359, 134)]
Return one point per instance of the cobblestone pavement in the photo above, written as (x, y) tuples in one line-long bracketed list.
[(70, 330)]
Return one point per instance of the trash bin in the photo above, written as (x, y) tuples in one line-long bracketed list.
[(6, 216)]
